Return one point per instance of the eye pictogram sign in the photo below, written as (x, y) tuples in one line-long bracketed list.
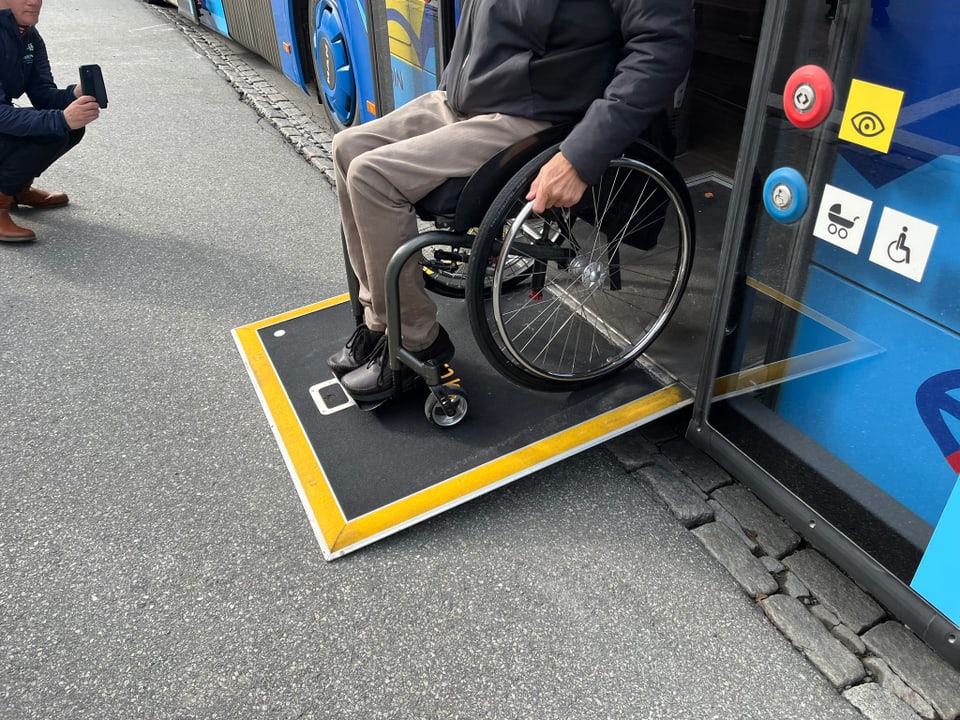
[(934, 403), (871, 115), (903, 244)]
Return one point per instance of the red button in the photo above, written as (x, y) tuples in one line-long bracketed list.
[(808, 96)]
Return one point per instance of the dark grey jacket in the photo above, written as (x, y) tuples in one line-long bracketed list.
[(613, 63), (24, 68)]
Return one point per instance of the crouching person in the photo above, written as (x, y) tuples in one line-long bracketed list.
[(32, 138)]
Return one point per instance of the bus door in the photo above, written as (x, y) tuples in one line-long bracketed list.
[(833, 380)]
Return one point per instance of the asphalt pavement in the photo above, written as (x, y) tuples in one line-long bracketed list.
[(155, 560)]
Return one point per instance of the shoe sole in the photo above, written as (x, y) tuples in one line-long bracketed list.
[(39, 207)]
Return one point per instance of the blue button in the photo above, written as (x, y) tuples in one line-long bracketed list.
[(786, 195)]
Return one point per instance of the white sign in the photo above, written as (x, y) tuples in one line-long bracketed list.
[(842, 218), (903, 244)]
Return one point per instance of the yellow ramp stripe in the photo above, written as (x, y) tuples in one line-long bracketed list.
[(511, 465), (298, 452)]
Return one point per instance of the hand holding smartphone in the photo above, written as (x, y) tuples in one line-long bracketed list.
[(91, 83)]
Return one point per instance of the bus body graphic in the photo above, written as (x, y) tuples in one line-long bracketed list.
[(935, 404)]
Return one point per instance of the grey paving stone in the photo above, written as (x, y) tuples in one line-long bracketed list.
[(722, 515), (825, 615), (918, 666), (697, 465), (891, 682), (772, 534), (793, 586), (772, 565), (833, 589), (877, 704), (840, 666), (851, 641), (681, 496), (721, 542), (633, 450)]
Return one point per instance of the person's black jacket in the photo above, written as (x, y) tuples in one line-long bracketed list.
[(24, 68), (615, 63)]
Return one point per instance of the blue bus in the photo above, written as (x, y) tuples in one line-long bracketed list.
[(362, 57)]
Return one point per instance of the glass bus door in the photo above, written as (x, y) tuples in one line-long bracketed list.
[(832, 385)]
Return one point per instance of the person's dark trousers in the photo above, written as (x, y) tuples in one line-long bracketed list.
[(24, 158)]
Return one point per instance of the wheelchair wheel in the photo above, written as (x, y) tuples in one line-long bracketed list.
[(445, 270), (604, 278)]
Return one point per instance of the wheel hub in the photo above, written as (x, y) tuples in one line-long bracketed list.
[(592, 274), (328, 64)]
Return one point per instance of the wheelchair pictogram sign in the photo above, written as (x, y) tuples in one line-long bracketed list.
[(903, 244), (898, 251)]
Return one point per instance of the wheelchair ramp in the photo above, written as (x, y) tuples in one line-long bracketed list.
[(364, 475)]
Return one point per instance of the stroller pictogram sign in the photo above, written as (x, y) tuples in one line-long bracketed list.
[(842, 218)]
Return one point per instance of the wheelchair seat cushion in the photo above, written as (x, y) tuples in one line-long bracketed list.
[(441, 202)]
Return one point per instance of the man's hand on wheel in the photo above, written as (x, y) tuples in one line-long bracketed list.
[(557, 185)]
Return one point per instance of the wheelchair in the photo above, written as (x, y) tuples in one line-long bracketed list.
[(556, 300)]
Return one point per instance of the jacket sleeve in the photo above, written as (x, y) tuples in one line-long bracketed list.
[(24, 122), (41, 89), (658, 47)]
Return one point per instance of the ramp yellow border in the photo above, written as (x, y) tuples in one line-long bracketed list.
[(337, 536)]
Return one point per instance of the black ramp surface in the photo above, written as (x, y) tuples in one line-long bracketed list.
[(679, 348), (372, 459)]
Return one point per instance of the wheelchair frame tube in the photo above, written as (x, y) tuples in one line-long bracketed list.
[(398, 354)]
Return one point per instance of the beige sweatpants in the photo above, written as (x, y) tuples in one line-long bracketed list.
[(383, 168)]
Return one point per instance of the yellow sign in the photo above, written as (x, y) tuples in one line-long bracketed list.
[(871, 115)]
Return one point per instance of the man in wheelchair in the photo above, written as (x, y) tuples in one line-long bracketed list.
[(516, 67)]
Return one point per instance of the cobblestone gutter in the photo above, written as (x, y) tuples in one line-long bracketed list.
[(311, 140), (874, 661)]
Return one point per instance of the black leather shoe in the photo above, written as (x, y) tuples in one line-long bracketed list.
[(356, 352), (374, 381)]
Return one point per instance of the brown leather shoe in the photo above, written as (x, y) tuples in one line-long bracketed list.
[(9, 230), (356, 352), (373, 381), (37, 198)]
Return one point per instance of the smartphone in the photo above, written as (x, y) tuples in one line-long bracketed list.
[(91, 83)]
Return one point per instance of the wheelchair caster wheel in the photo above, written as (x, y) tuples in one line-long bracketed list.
[(454, 398)]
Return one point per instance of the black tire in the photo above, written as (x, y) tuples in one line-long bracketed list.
[(445, 271), (608, 273)]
